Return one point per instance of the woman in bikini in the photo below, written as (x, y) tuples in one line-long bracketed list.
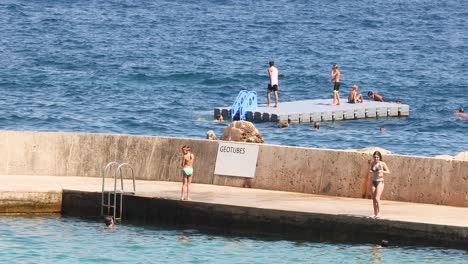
[(187, 171), (378, 169)]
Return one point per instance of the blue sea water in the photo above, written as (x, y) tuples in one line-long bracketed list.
[(160, 67), (53, 239)]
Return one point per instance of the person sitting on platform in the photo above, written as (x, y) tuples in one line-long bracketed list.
[(375, 97), (354, 97)]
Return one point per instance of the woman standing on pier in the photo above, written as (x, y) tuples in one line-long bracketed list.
[(378, 168)]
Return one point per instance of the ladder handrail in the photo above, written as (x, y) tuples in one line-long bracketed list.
[(117, 173), (106, 169)]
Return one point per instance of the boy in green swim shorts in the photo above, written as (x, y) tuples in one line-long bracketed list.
[(187, 171)]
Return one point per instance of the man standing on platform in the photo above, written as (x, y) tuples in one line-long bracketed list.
[(273, 85), (336, 76)]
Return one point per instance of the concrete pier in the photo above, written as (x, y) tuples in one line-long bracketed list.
[(298, 215), (307, 111)]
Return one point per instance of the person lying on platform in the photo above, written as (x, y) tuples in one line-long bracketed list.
[(375, 97), (354, 97)]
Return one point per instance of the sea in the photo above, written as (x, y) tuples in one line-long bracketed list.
[(64, 239), (160, 67)]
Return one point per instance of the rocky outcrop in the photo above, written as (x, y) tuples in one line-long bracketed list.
[(242, 131), (461, 156), (373, 149), (446, 157)]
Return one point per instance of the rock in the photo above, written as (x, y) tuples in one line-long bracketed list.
[(371, 150), (242, 131), (210, 134), (461, 156), (446, 157)]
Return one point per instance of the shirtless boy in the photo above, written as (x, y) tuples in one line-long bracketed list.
[(336, 76), (273, 85), (375, 97), (187, 170), (354, 97)]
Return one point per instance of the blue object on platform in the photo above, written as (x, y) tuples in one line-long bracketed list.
[(245, 101)]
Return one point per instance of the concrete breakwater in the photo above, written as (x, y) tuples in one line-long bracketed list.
[(283, 168), (243, 211), (311, 226)]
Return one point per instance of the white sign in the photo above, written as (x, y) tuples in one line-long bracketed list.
[(236, 159)]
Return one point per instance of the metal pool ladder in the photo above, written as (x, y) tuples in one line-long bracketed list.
[(114, 197)]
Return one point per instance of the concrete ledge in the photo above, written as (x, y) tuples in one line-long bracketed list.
[(14, 202), (249, 220)]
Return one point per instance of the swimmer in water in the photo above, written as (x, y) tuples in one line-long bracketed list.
[(283, 124), (219, 118), (109, 221), (461, 113)]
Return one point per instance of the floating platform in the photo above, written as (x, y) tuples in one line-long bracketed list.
[(308, 111)]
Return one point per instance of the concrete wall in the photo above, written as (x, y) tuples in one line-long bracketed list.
[(28, 202), (317, 171)]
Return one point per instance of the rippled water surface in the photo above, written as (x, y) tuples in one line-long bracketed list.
[(55, 239), (160, 67)]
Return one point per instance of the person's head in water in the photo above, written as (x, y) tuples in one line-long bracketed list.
[(384, 243), (109, 221), (271, 63), (219, 118), (317, 125), (461, 110), (283, 124)]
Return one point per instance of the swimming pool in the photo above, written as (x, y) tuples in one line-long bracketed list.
[(58, 239)]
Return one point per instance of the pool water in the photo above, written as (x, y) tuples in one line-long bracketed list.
[(58, 239)]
